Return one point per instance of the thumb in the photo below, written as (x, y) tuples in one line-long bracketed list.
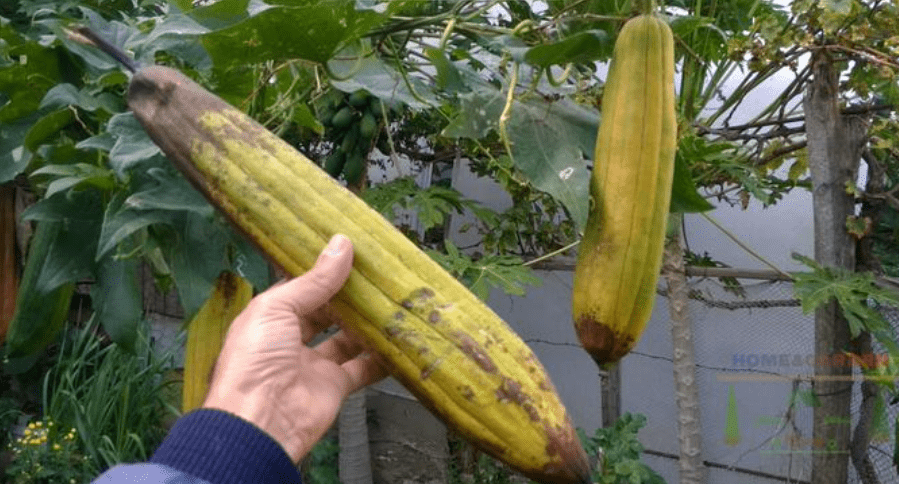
[(318, 285)]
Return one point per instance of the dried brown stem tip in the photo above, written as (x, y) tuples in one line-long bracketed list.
[(86, 36)]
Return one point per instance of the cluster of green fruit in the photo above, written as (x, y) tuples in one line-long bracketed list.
[(351, 123)]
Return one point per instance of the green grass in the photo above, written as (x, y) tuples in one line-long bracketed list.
[(117, 401)]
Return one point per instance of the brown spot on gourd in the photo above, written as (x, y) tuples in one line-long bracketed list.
[(406, 304), (434, 317), (427, 370), (531, 411), (467, 393), (227, 283), (399, 316), (392, 331), (471, 348), (569, 459), (423, 293), (510, 391), (545, 385), (602, 343)]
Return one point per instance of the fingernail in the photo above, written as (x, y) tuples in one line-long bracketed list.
[(337, 245)]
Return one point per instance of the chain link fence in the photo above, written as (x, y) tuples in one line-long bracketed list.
[(755, 362)]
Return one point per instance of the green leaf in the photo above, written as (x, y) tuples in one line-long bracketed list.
[(185, 5), (64, 95), (72, 256), (448, 76), (380, 79), (60, 96), (502, 45), (132, 147), (14, 158), (838, 7), (221, 14), (121, 221), (25, 81), (621, 452), (701, 36), (387, 197), (104, 141), (304, 116), (41, 310), (168, 191), (117, 300), (684, 196), (880, 424), (249, 263), (493, 271), (75, 176), (582, 47), (853, 292), (549, 142), (197, 253), (807, 398), (312, 31), (432, 204), (478, 115), (47, 126)]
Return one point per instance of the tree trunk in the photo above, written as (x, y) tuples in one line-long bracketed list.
[(866, 260), (354, 462), (833, 154), (685, 392)]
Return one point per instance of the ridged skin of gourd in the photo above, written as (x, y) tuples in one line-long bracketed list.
[(620, 255), (206, 334), (447, 347)]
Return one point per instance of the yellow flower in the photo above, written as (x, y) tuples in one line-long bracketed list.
[(31, 425), (39, 424), (27, 432), (57, 447)]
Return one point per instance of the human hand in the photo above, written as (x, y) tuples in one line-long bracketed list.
[(267, 375)]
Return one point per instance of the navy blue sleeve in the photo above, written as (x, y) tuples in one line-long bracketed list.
[(221, 448)]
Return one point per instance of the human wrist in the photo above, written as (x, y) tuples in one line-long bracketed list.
[(220, 448), (259, 408)]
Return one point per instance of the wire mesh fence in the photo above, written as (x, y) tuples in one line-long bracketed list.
[(755, 364)]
